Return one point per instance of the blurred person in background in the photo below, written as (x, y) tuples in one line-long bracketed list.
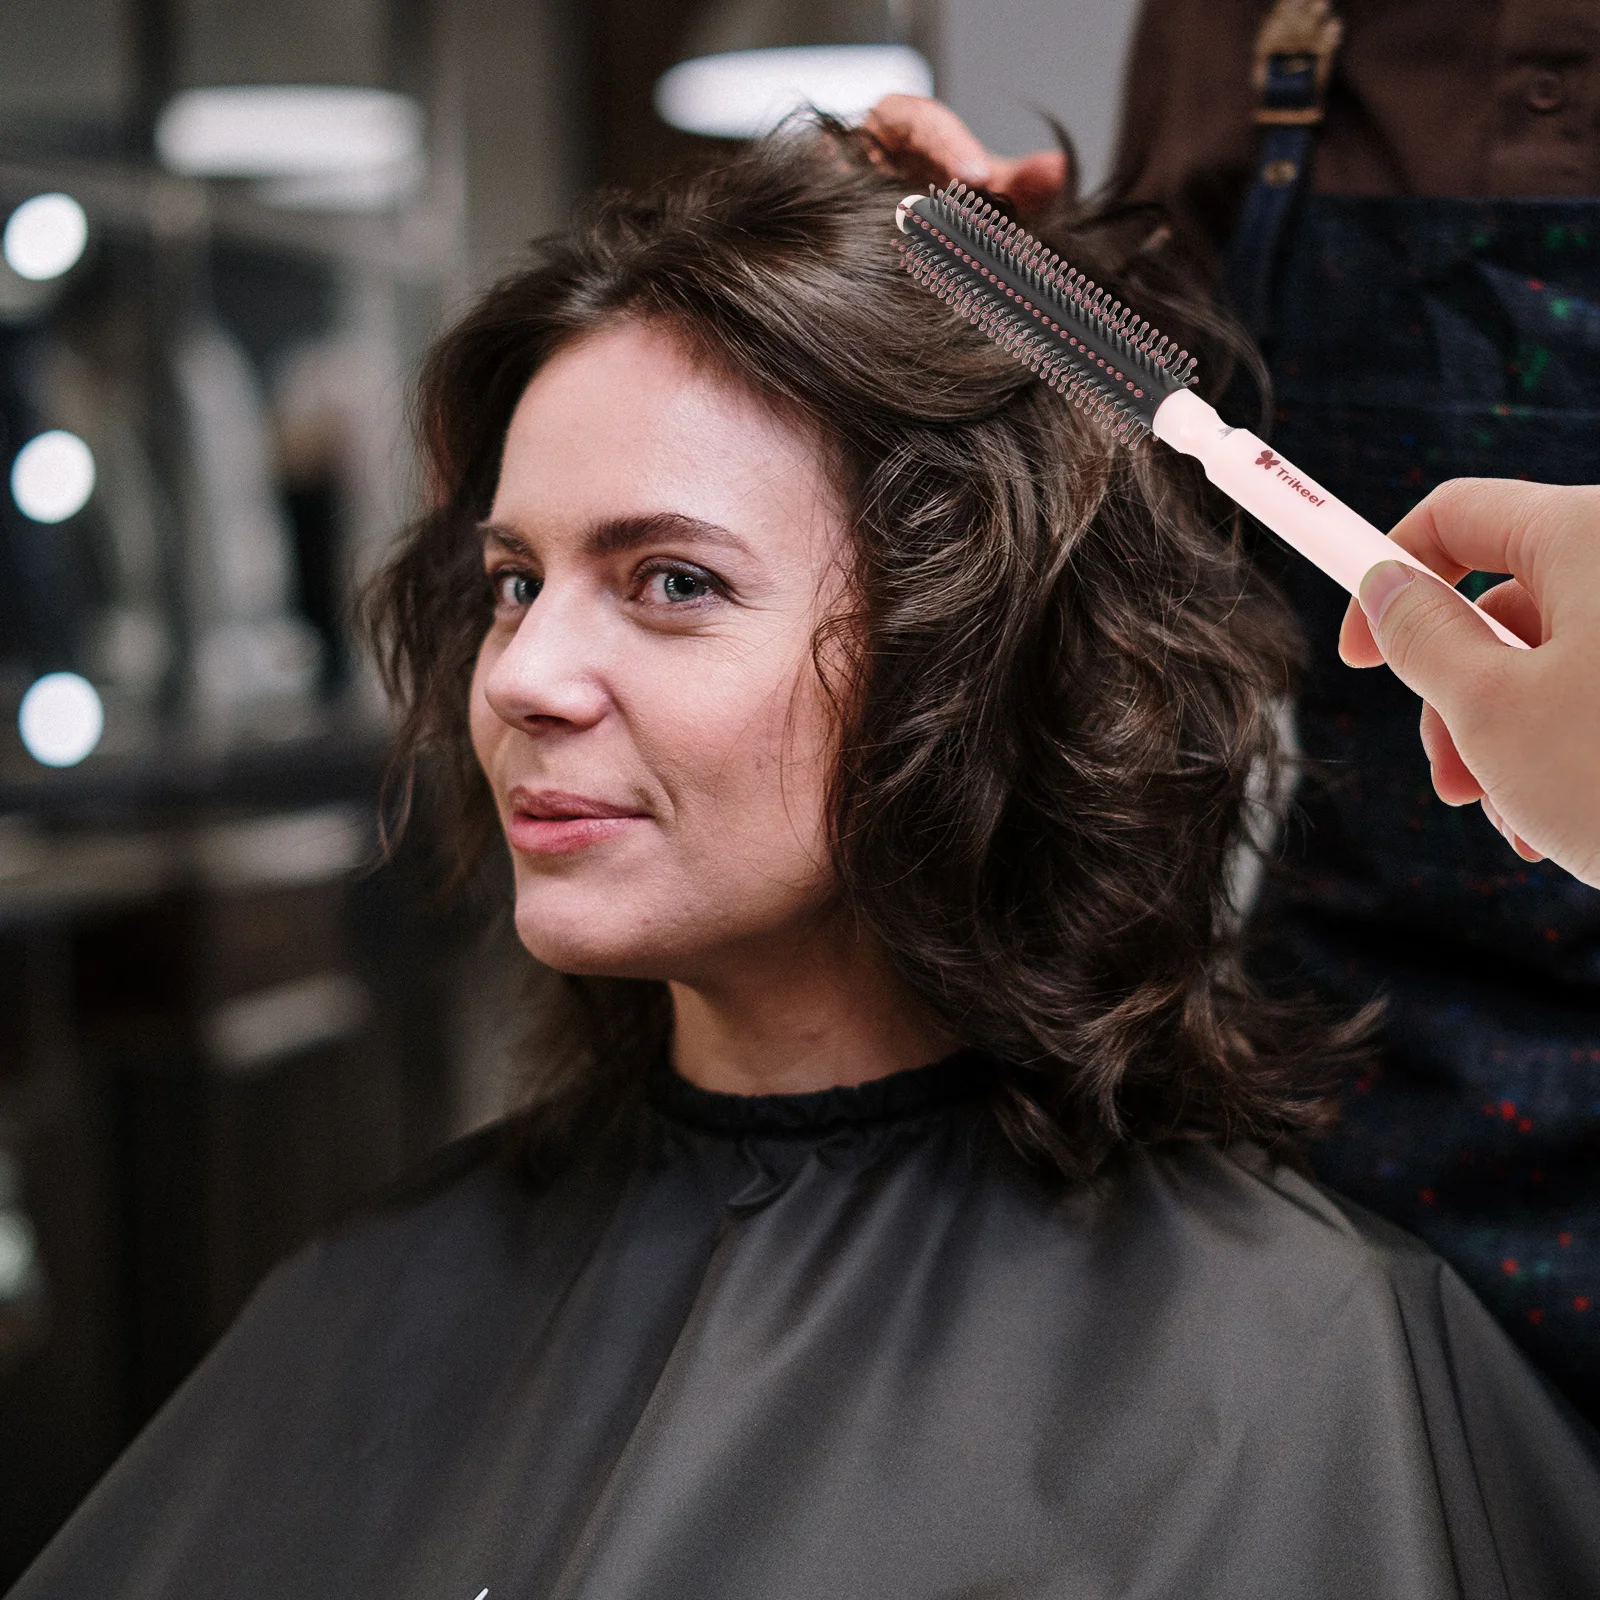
[(1398, 198), (906, 1203)]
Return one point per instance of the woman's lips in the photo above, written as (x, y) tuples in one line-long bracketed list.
[(552, 822)]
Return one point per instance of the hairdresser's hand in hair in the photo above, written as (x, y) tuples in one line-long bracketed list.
[(1516, 730), (925, 142)]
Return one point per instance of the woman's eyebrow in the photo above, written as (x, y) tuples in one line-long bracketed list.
[(506, 537), (617, 535)]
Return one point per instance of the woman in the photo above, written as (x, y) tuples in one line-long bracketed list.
[(873, 743)]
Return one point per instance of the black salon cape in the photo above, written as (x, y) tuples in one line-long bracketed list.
[(824, 1346)]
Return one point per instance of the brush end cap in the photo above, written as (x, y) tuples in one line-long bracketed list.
[(903, 210)]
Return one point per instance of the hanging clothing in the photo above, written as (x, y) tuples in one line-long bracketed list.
[(1414, 335), (799, 1346)]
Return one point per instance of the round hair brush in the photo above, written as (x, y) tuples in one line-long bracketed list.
[(1119, 370)]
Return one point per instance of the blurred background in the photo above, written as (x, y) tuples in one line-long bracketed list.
[(229, 229)]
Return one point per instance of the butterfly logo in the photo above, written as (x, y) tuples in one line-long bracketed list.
[(1268, 460)]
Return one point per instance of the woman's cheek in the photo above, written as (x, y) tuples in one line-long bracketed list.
[(777, 763), (483, 724)]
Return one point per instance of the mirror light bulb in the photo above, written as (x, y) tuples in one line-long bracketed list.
[(744, 93), (60, 719), (53, 476), (45, 236), (272, 130)]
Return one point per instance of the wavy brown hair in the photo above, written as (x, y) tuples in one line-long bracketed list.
[(1059, 674)]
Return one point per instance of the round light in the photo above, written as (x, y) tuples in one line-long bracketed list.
[(745, 93), (45, 236), (53, 476), (278, 131), (60, 719), (18, 1252)]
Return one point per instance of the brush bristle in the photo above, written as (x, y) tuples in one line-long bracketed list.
[(1088, 346)]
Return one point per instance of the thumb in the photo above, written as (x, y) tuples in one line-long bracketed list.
[(1432, 638)]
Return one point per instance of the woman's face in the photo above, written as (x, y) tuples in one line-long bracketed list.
[(645, 708)]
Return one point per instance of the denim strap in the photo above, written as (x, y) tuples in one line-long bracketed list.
[(1295, 49)]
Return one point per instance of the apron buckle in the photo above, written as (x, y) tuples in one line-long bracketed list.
[(1293, 62)]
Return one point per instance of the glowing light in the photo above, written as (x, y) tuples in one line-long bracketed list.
[(53, 476), (60, 719), (17, 1254), (279, 131), (745, 93), (45, 236)]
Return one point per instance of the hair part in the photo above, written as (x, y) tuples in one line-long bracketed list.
[(1056, 679)]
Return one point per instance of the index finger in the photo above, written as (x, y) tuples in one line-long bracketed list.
[(1499, 525)]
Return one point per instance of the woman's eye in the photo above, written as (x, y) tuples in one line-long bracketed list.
[(516, 590), (680, 585)]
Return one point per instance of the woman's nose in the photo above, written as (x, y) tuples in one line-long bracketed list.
[(549, 673)]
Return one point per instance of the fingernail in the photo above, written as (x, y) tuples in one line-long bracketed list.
[(1380, 586), (974, 172)]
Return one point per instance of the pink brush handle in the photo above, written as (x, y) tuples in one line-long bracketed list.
[(1302, 513)]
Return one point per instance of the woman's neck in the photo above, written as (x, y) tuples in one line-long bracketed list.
[(828, 1013)]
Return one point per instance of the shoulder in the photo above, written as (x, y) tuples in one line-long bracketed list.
[(464, 1189), (357, 1303), (1240, 1199), (410, 1269), (1282, 1244), (1312, 1283), (1294, 1280), (464, 1221), (360, 1334)]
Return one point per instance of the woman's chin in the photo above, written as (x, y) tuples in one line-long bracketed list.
[(585, 947)]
